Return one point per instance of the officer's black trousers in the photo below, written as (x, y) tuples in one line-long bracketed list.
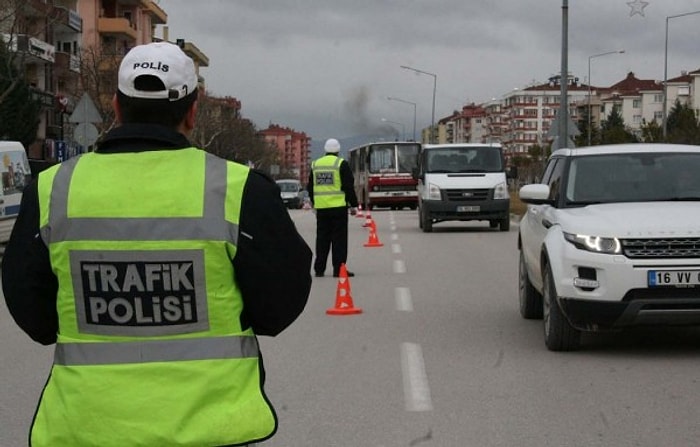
[(331, 234)]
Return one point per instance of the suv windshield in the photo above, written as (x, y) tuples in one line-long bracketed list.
[(634, 177)]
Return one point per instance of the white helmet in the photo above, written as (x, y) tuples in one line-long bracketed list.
[(332, 146)]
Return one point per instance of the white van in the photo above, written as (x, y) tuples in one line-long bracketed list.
[(16, 174), (291, 193), (462, 182)]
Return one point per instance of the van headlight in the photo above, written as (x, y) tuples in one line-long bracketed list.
[(596, 244), (434, 192), (500, 192)]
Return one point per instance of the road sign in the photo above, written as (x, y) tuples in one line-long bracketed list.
[(85, 111), (85, 134)]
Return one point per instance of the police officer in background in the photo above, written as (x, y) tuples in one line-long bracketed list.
[(332, 190), (150, 264)]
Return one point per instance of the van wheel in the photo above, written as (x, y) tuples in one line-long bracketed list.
[(493, 223), (505, 224), (420, 219), (427, 222)]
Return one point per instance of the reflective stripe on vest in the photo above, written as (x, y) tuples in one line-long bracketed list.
[(155, 351), (327, 183), (209, 226)]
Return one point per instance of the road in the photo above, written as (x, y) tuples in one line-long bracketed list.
[(439, 356)]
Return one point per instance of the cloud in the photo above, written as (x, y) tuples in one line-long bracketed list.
[(325, 67)]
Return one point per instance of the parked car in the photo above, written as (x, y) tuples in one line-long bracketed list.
[(291, 193), (611, 239), (16, 174)]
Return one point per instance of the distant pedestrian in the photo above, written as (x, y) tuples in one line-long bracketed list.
[(152, 265), (332, 191)]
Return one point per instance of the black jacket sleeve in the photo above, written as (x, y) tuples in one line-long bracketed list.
[(272, 262), (347, 184), (28, 282)]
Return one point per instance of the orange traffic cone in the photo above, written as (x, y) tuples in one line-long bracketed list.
[(368, 219), (343, 298), (373, 238), (359, 211)]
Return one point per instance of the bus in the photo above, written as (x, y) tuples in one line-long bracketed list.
[(383, 174)]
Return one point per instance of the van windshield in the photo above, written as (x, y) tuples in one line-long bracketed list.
[(464, 159), (289, 186)]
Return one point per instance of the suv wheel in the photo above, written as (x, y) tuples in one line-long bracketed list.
[(530, 298), (559, 335)]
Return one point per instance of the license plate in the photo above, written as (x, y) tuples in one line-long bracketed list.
[(657, 278), (468, 209)]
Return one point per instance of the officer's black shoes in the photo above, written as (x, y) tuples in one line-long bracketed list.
[(319, 274), (337, 274)]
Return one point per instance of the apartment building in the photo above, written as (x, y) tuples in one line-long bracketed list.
[(294, 149), (524, 117), (66, 48)]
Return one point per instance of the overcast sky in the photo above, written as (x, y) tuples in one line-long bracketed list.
[(326, 67)]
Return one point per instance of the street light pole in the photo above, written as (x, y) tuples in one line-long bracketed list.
[(432, 124), (403, 127), (563, 138), (589, 87), (665, 113), (390, 98)]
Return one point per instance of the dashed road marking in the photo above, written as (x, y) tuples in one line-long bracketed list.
[(403, 299), (415, 380), (399, 266)]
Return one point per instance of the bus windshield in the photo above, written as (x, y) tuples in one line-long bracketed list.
[(464, 159), (392, 158)]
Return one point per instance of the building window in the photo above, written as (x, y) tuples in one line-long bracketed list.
[(636, 103), (658, 98), (683, 91)]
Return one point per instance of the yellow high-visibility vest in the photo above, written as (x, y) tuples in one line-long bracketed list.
[(327, 184), (150, 349)]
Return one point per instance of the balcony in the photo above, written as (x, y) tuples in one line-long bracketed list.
[(158, 16), (35, 8), (196, 54), (116, 27), (66, 64), (46, 99), (66, 20)]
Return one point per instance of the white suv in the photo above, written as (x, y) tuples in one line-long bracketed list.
[(611, 238)]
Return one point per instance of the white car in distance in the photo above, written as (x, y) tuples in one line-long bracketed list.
[(611, 239)]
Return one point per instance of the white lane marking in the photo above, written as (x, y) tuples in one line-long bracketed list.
[(415, 380), (394, 237), (403, 299), (399, 266), (392, 228), (396, 248)]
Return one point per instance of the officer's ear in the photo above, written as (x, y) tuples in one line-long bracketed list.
[(190, 117), (117, 109)]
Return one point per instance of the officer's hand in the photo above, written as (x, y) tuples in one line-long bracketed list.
[(353, 211)]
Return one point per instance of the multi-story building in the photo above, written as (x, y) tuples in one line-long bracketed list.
[(524, 117), (66, 48), (294, 150), (638, 100)]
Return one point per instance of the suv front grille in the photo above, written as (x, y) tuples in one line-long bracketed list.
[(661, 248)]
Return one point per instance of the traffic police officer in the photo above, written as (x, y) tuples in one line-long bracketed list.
[(332, 190), (148, 263)]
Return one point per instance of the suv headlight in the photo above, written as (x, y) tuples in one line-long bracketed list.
[(596, 244), (500, 192), (434, 192)]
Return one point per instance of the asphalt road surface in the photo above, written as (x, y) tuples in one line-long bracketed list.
[(439, 356)]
